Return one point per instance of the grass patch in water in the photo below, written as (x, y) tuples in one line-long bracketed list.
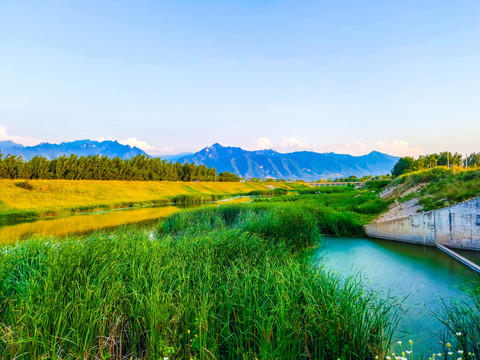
[(297, 222)]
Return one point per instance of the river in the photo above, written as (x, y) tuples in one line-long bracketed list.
[(83, 223), (421, 277)]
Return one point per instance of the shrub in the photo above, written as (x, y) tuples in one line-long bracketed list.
[(24, 185)]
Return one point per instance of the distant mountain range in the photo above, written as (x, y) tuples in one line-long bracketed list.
[(305, 165), (262, 164), (78, 147)]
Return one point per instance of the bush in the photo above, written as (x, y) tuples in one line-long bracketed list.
[(24, 185), (377, 185)]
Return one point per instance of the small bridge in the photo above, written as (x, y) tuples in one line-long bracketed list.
[(334, 183)]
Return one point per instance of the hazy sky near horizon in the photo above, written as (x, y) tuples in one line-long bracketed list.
[(401, 77)]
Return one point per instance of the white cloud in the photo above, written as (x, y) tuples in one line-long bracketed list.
[(396, 147), (18, 139), (134, 142), (263, 143), (292, 144), (399, 148), (105, 139), (150, 149), (356, 148), (143, 145)]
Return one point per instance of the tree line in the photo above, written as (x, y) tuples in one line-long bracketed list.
[(408, 164), (140, 168)]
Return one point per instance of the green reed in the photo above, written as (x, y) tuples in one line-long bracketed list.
[(220, 283)]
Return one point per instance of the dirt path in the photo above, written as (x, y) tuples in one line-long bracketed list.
[(399, 210)]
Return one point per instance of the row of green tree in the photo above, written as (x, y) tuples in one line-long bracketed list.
[(408, 164), (96, 167)]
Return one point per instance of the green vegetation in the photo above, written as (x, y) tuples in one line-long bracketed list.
[(407, 164), (139, 168), (272, 192), (11, 216), (267, 218), (462, 322), (376, 186), (186, 199), (354, 207), (443, 186), (223, 282), (361, 205), (227, 176)]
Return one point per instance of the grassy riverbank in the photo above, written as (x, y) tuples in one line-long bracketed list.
[(223, 282), (439, 187), (34, 198), (361, 206)]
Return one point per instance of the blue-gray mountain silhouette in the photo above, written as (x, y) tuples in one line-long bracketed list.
[(261, 164), (79, 147), (307, 165)]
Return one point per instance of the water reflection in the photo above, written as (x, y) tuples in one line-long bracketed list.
[(422, 276), (82, 223), (473, 256), (87, 222)]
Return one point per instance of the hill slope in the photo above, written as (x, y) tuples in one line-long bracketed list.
[(305, 165)]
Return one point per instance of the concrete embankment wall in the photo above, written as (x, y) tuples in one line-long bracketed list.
[(456, 226)]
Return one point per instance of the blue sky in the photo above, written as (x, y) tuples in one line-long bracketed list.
[(402, 77)]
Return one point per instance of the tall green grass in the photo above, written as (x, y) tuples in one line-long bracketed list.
[(299, 224), (272, 192), (186, 199), (462, 324), (345, 207), (220, 283), (12, 216)]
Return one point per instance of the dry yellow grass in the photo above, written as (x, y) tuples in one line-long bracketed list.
[(53, 196)]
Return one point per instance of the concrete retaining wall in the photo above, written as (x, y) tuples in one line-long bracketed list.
[(456, 226)]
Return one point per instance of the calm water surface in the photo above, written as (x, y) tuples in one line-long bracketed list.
[(419, 275), (82, 223)]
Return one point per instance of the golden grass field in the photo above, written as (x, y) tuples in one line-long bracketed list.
[(56, 196)]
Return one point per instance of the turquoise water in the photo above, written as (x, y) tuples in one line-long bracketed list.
[(420, 276)]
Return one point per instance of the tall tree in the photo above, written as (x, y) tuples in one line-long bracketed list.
[(403, 165)]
